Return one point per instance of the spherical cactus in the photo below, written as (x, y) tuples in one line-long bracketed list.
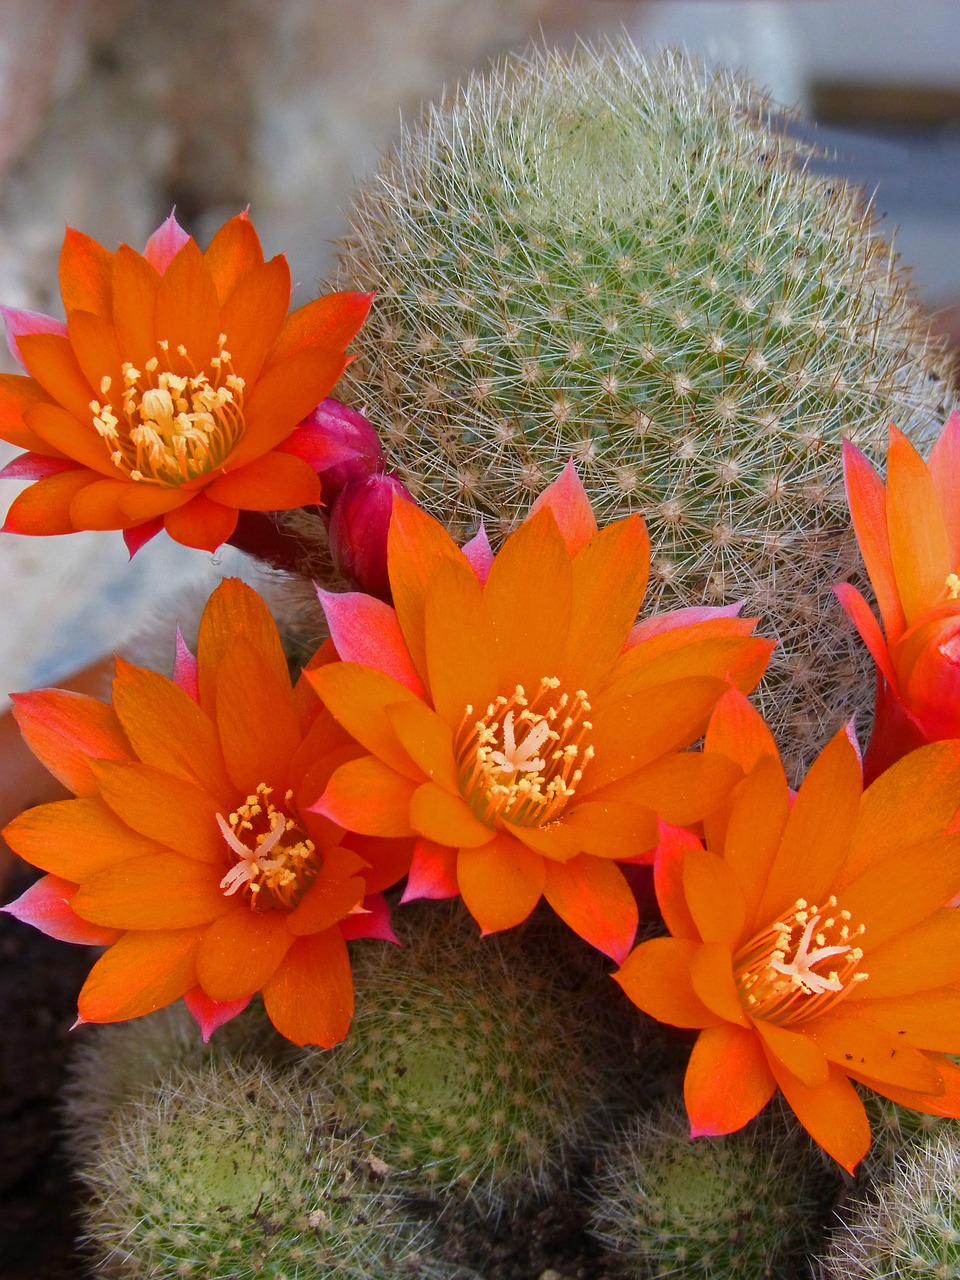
[(737, 1208), (626, 262), (236, 1172), (471, 1068), (907, 1224)]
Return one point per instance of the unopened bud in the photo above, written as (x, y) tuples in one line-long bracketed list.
[(347, 447), (359, 521)]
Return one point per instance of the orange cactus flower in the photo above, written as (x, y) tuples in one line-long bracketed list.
[(909, 536), (171, 395), (516, 721), (810, 941), (190, 849)]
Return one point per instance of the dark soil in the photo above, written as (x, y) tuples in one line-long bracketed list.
[(39, 982)]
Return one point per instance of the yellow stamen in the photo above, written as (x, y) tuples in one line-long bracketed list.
[(276, 860), (953, 586)]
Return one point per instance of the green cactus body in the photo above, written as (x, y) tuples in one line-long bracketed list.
[(624, 262), (906, 1226), (234, 1172), (470, 1071), (737, 1208)]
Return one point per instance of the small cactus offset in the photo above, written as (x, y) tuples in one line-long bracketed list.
[(233, 1172), (470, 1069), (906, 1226), (743, 1207), (627, 262)]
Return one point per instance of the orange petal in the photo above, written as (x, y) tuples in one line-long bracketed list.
[(459, 642), (946, 1103), (163, 808), (358, 697), (75, 838), (796, 1052), (283, 396), (893, 896), (135, 286), (668, 863), (592, 896), (310, 997), (831, 1113), (868, 1049), (162, 891), (728, 1080), (928, 955), (94, 342), (944, 468), (446, 819), (720, 647), (85, 272), (201, 523), (235, 611), (141, 973), (500, 883), (867, 500), (713, 896), (338, 888), (555, 840), (17, 395), (609, 579), (427, 740), (187, 311), (232, 253), (366, 630), (66, 730), (818, 831), (910, 803), (240, 952), (168, 730), (612, 828), (528, 596), (567, 501), (711, 972), (273, 482), (50, 358), (758, 815), (44, 509), (46, 906), (387, 860), (433, 872), (369, 797), (257, 723), (861, 615), (254, 314), (656, 977), (416, 545), (121, 504), (70, 436), (739, 731), (927, 1019), (919, 543), (329, 323), (681, 786)]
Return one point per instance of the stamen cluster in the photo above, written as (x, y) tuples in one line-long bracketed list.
[(173, 427), (506, 777), (275, 874), (778, 973)]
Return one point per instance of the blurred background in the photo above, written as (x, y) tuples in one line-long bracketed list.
[(113, 111)]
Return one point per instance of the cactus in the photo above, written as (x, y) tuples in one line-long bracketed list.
[(469, 1068), (234, 1172), (591, 255), (906, 1226), (735, 1208)]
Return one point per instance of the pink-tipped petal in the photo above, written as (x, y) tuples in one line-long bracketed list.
[(860, 614), (372, 922), (20, 323), (479, 553), (365, 630), (669, 621), (433, 873), (211, 1014), (571, 508), (185, 670), (163, 246), (46, 906), (36, 466), (141, 534)]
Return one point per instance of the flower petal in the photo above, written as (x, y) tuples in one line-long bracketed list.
[(500, 883), (460, 643), (358, 698), (867, 500), (17, 396), (366, 631), (919, 544), (337, 890), (50, 358), (210, 1014), (433, 872), (728, 1081), (416, 545), (252, 694), (283, 396), (446, 819), (330, 323), (310, 997), (894, 895), (388, 861), (831, 1113), (944, 467), (567, 501), (187, 310), (201, 523), (232, 254), (161, 891), (46, 906), (926, 1019), (44, 509), (135, 284), (85, 274), (928, 955), (668, 863), (163, 808), (142, 972), (374, 922), (711, 972), (369, 797), (254, 313), (860, 614), (758, 815), (593, 897), (613, 829), (75, 838), (272, 482), (796, 1052), (235, 610), (714, 897), (17, 323), (737, 730), (241, 951), (165, 243), (66, 730), (427, 740), (656, 977), (874, 1052)]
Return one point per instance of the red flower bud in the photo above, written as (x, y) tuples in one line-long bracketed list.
[(359, 520), (349, 439)]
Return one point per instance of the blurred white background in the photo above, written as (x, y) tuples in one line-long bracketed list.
[(112, 111)]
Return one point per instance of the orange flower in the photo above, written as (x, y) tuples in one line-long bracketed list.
[(191, 848), (170, 397), (516, 724), (909, 536), (811, 941)]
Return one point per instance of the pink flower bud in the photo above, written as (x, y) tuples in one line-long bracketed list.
[(348, 439), (359, 520)]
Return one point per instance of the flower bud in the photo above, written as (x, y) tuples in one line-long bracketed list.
[(348, 440), (359, 521)]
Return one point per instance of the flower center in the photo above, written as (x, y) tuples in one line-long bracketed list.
[(276, 860), (784, 973), (170, 427), (522, 760)]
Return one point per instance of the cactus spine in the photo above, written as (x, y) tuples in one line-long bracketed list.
[(623, 261)]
